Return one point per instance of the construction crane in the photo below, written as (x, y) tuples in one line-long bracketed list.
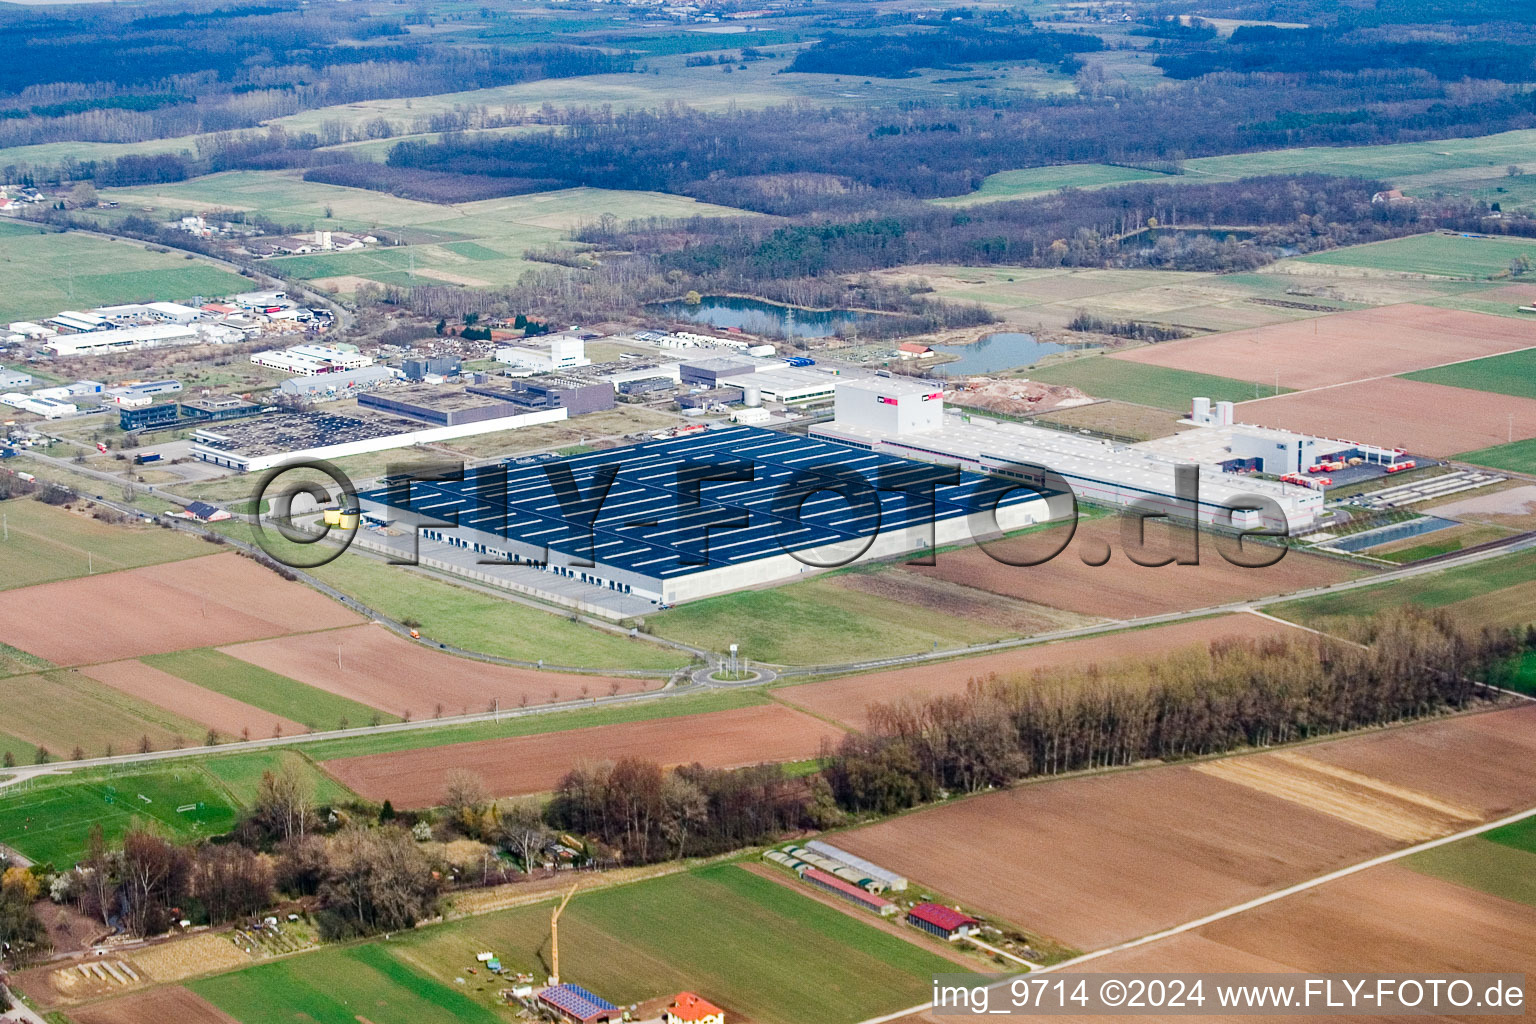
[(554, 937)]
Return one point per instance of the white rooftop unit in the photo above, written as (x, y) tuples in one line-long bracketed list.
[(890, 405)]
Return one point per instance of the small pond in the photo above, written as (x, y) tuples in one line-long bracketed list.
[(767, 318), (1006, 350)]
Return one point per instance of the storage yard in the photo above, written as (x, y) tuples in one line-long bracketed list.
[(535, 764), (1104, 859)]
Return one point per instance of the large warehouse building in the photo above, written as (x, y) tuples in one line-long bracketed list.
[(657, 521), (906, 418)]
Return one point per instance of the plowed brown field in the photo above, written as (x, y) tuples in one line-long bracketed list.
[(1388, 920), (1342, 346), (1095, 861), (157, 1006), (219, 599), (1426, 419), (216, 711), (373, 666), (847, 700), (1121, 589), (534, 764)]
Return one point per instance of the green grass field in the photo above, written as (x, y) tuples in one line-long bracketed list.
[(63, 709), (15, 661), (241, 774), (1511, 374), (555, 721), (1484, 864), (816, 623), (41, 274), (1440, 255), (1519, 457), (1157, 386), (269, 691), (52, 821), (47, 544), (757, 948), (340, 986), (1520, 836), (482, 622), (1037, 181), (1498, 591)]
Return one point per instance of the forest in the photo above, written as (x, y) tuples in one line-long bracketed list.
[(899, 55), (802, 159), (218, 69)]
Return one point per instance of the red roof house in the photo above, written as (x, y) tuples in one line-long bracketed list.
[(689, 1008)]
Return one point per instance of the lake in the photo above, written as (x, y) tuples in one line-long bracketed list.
[(1006, 350), (768, 318)]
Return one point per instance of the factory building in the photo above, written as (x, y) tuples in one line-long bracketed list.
[(328, 385), (14, 379), (478, 403), (417, 368), (105, 340), (907, 418), (313, 360), (197, 410), (543, 355), (47, 408), (786, 385), (712, 371), (669, 528)]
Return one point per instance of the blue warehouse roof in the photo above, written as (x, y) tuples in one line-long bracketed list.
[(659, 516)]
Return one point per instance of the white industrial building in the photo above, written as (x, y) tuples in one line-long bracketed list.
[(907, 418), (48, 408), (78, 322), (14, 379), (547, 354), (162, 312), (786, 385), (310, 360), (122, 339)]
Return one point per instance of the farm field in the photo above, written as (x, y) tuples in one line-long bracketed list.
[(1510, 374), (43, 273), (533, 725), (1517, 457), (1478, 863), (476, 621), (157, 1006), (14, 662), (372, 666), (340, 986), (1498, 591), (1427, 419), (805, 961), (216, 599), (51, 821), (306, 706), (1095, 860), (1119, 589), (219, 713), (48, 543), (534, 764), (848, 617), (847, 699), (1438, 254), (1327, 350), (61, 710), (1159, 386)]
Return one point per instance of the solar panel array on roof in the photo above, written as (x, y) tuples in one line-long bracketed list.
[(658, 508), (576, 1001)]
